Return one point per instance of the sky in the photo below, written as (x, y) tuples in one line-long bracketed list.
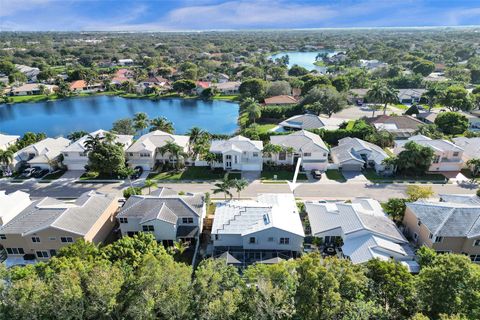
[(187, 15)]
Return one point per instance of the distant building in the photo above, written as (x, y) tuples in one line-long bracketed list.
[(81, 86), (30, 72), (125, 62), (30, 89), (280, 100)]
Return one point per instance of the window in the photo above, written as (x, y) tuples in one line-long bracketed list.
[(66, 239), (284, 240), (147, 228), (187, 220), (430, 236), (3, 237), (130, 154), (282, 155), (228, 157), (42, 254), (475, 258), (455, 154), (476, 243), (217, 237), (270, 239), (252, 240), (419, 223), (123, 220), (307, 154), (15, 251), (65, 154), (438, 239), (144, 155), (35, 239), (436, 159), (53, 252), (415, 236), (83, 154), (255, 154)]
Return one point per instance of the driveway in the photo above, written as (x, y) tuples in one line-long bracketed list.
[(72, 174), (251, 176), (355, 176)]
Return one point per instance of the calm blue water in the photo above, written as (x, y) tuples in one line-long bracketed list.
[(303, 59), (91, 113)]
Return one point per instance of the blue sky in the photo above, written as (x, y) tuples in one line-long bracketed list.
[(177, 15)]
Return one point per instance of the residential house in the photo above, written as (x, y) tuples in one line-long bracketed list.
[(145, 151), (12, 204), (353, 154), (42, 154), (30, 72), (81, 86), (121, 75), (230, 87), (168, 216), (258, 230), (280, 100), (401, 127), (7, 141), (222, 78), (238, 153), (470, 146), (372, 64), (75, 156), (310, 121), (30, 89), (202, 85), (47, 225), (410, 96), (447, 157), (125, 62), (305, 145), (364, 229), (449, 225)]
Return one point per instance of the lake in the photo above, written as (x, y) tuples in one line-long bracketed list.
[(99, 112), (303, 59)]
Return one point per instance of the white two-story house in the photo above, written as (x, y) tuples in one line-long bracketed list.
[(145, 151), (167, 215), (42, 154), (238, 153), (75, 156), (448, 156), (307, 146), (7, 141), (256, 230)]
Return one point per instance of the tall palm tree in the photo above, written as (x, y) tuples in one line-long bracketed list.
[(239, 185), (140, 121), (197, 137), (6, 157), (162, 124), (109, 138), (253, 111), (432, 96), (474, 165), (149, 184), (224, 187), (174, 150), (382, 94), (269, 149), (92, 141)]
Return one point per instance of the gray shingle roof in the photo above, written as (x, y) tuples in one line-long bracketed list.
[(157, 139), (78, 217), (471, 146), (79, 145), (349, 149), (237, 143), (303, 141), (437, 144)]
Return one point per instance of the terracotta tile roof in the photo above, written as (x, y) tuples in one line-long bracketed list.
[(78, 84), (203, 84)]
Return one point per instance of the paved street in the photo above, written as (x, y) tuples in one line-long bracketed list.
[(66, 188)]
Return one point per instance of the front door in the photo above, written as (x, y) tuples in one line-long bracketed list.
[(228, 161)]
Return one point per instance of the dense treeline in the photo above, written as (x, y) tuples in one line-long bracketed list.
[(135, 278)]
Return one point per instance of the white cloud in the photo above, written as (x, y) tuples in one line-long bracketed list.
[(10, 7)]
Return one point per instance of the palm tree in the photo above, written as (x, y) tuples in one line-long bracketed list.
[(390, 162), (140, 121), (128, 86), (174, 150), (382, 94), (162, 124), (374, 108), (109, 138), (239, 185), (92, 142), (252, 109), (269, 149), (197, 140), (149, 184), (224, 186), (6, 157), (474, 165), (432, 96), (179, 247)]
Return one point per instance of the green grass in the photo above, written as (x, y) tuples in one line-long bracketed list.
[(192, 173), (264, 128), (281, 175), (371, 175), (335, 175), (401, 106), (319, 63), (232, 97), (350, 125), (96, 176), (34, 98), (53, 175)]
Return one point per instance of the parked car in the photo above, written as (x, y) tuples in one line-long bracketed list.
[(317, 174), (40, 173), (138, 172), (27, 173)]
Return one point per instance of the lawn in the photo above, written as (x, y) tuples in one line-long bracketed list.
[(335, 175), (54, 175), (192, 173), (371, 175), (282, 175), (96, 176), (264, 128), (231, 97), (35, 98)]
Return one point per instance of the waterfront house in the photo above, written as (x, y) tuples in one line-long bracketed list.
[(46, 225), (310, 121), (230, 87), (361, 228), (81, 86), (304, 145), (447, 157), (42, 154), (7, 141), (30, 89), (145, 151), (168, 216), (202, 85), (353, 154), (75, 156), (280, 100), (238, 153)]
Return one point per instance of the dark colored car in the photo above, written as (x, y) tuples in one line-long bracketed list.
[(27, 173), (317, 174), (40, 173), (138, 172)]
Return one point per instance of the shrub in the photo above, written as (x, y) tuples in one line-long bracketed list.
[(131, 191)]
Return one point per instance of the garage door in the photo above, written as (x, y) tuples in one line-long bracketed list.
[(252, 167), (351, 167), (315, 166)]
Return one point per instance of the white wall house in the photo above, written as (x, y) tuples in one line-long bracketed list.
[(366, 231), (306, 145), (448, 156), (269, 223), (41, 154), (238, 153), (7, 141), (144, 152), (353, 154), (167, 215), (75, 156)]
